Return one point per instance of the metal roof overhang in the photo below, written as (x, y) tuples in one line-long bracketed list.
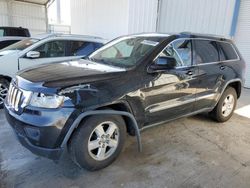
[(38, 2)]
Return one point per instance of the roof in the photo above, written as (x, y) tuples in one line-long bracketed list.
[(151, 34), (12, 38), (182, 35), (201, 35), (68, 36)]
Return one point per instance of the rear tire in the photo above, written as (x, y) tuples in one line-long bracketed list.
[(226, 105), (4, 86), (98, 141)]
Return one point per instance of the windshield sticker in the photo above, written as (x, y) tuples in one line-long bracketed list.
[(149, 42)]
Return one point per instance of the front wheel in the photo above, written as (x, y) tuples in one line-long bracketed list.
[(4, 86), (226, 105), (98, 141)]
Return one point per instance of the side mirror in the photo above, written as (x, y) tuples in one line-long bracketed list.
[(163, 64), (33, 54)]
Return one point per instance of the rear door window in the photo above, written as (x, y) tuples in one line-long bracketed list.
[(205, 51), (227, 51), (1, 32), (81, 48)]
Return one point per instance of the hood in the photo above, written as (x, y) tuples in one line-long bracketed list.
[(6, 52), (64, 74)]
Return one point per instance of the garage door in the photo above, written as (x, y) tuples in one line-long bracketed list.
[(242, 36)]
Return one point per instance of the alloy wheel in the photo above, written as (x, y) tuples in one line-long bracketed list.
[(3, 93), (228, 105), (103, 141)]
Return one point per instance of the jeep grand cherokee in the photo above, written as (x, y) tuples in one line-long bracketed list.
[(132, 83)]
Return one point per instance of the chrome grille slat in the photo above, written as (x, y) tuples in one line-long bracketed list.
[(18, 97), (10, 93), (14, 97)]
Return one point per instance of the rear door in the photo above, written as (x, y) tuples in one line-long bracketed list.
[(211, 72)]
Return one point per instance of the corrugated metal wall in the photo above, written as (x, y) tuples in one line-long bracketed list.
[(112, 18), (142, 15), (27, 15), (203, 16), (105, 18), (3, 13), (242, 36)]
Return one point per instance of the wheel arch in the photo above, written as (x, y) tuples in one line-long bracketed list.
[(102, 111), (237, 85), (8, 78), (125, 107)]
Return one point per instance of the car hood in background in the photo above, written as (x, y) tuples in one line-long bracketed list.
[(6, 52), (60, 75)]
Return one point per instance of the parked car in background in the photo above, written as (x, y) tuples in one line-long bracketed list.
[(132, 83), (14, 32), (7, 41), (41, 49), (11, 35)]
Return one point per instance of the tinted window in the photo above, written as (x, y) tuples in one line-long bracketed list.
[(1, 32), (22, 32), (181, 50), (227, 51), (205, 51), (81, 48), (22, 44), (4, 44), (52, 49)]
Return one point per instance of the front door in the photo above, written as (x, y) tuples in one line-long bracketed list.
[(50, 52), (171, 94)]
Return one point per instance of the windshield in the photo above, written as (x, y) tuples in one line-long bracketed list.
[(126, 52), (21, 45)]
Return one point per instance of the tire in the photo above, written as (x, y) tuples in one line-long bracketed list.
[(87, 141), (223, 110), (4, 86)]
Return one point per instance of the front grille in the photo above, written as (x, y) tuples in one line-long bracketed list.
[(14, 97)]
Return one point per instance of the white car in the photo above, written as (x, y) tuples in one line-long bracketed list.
[(42, 49)]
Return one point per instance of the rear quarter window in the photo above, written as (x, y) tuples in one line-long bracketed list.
[(4, 44), (227, 51)]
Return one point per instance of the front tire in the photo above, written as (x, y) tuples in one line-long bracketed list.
[(226, 105), (98, 141), (4, 86)]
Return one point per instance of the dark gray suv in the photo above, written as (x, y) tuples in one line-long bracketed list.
[(132, 83)]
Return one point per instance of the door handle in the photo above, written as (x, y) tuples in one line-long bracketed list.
[(222, 67), (189, 73)]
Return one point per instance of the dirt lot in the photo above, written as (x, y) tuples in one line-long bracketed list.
[(190, 152)]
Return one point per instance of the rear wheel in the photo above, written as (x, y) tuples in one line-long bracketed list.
[(4, 86), (98, 142), (226, 105)]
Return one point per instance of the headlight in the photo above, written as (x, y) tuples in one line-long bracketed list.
[(46, 101)]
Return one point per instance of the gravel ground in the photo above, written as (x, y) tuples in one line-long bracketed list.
[(189, 152)]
